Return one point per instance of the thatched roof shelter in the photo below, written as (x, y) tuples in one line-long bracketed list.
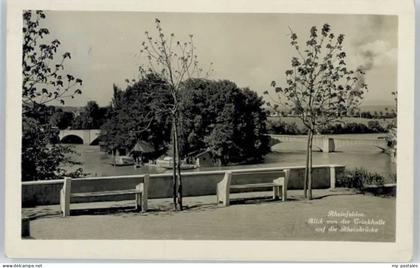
[(143, 147)]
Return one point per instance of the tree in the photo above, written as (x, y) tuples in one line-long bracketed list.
[(375, 126), (173, 61), (319, 87), (44, 81), (133, 116), (41, 160), (395, 108), (91, 117), (62, 119), (282, 127), (366, 115), (224, 119)]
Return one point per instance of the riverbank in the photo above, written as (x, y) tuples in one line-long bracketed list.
[(246, 219), (97, 163)]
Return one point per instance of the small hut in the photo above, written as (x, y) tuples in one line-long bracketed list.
[(203, 159), (141, 151)]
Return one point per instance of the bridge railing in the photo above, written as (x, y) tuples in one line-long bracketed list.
[(328, 144)]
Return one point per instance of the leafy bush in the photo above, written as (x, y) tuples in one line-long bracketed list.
[(285, 128), (228, 120), (350, 128), (359, 178), (42, 157), (78, 173), (375, 126), (281, 127)]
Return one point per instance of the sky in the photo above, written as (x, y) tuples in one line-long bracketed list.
[(247, 48)]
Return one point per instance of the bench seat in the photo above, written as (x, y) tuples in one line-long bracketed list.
[(255, 185), (275, 180), (105, 193), (84, 188)]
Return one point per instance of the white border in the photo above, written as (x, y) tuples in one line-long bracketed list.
[(401, 250)]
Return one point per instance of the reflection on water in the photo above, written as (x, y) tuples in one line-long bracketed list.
[(98, 163)]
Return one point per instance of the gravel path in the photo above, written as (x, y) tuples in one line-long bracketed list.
[(250, 217)]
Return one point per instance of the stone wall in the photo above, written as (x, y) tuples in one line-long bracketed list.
[(194, 183)]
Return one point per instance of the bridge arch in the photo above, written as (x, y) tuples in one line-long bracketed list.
[(95, 141), (88, 136), (72, 139)]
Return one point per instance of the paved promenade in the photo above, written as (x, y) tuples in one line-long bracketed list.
[(246, 218)]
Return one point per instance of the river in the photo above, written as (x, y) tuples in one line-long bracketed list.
[(97, 163)]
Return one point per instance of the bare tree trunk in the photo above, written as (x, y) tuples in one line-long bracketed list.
[(177, 159), (311, 136), (174, 179), (305, 181)]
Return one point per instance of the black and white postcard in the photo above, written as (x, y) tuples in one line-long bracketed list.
[(210, 130)]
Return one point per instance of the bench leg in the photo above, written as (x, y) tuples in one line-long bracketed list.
[(143, 200), (138, 204), (61, 201), (284, 193), (65, 197), (223, 196), (145, 195), (276, 192), (223, 189), (226, 198), (66, 210), (141, 197)]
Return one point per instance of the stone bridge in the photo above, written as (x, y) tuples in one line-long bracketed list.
[(328, 144), (82, 136)]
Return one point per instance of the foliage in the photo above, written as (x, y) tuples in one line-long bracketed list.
[(92, 116), (62, 119), (40, 112), (41, 158), (352, 128), (285, 128), (359, 178), (376, 127), (227, 120), (134, 116), (291, 128), (43, 81), (319, 87)]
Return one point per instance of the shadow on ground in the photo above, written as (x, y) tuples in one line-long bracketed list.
[(165, 207)]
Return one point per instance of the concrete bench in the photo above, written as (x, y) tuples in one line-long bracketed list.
[(239, 181), (88, 188)]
